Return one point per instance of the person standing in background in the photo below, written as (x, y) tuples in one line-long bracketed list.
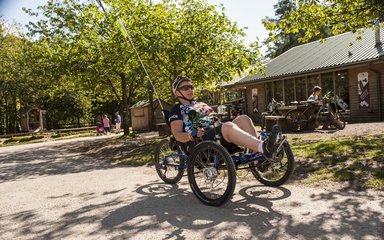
[(107, 127), (118, 122)]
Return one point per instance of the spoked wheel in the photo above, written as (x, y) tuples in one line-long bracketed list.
[(211, 173), (275, 172), (339, 120), (296, 120), (167, 163)]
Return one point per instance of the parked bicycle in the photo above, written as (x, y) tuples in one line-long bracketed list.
[(327, 111)]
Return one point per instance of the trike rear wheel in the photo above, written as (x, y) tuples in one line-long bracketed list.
[(167, 163), (211, 173)]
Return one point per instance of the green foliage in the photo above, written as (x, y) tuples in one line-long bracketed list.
[(86, 45), (76, 55), (338, 16), (281, 38), (67, 106)]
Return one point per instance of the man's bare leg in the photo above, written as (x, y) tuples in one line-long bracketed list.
[(246, 124), (234, 134)]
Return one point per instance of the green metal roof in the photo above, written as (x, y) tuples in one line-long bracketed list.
[(145, 103), (334, 52)]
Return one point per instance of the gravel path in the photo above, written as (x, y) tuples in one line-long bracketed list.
[(350, 130), (53, 190)]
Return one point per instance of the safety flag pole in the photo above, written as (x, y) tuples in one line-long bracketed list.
[(127, 38)]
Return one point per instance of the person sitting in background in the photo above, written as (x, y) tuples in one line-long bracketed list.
[(315, 96)]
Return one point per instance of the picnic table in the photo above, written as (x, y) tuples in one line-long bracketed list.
[(282, 119)]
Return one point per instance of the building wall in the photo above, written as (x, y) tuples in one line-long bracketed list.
[(139, 118), (357, 113), (259, 103), (363, 113)]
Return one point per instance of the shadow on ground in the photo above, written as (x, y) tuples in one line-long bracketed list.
[(73, 157), (169, 212)]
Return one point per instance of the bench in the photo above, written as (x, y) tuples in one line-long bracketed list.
[(272, 120)]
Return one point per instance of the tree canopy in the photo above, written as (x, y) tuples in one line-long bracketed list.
[(339, 16), (76, 46)]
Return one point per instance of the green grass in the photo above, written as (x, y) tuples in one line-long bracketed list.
[(137, 154), (357, 161), (40, 138), (22, 140), (67, 135)]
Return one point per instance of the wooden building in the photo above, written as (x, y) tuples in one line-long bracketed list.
[(32, 119), (351, 68), (140, 114)]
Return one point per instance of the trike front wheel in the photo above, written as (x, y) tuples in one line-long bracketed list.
[(211, 173), (277, 171)]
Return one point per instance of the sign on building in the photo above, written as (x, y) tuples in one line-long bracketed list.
[(363, 89)]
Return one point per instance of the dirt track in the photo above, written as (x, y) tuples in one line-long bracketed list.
[(53, 190)]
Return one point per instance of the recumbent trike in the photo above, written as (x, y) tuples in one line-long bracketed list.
[(211, 168)]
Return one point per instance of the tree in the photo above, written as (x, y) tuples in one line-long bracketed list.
[(16, 80), (338, 15), (280, 38), (185, 36)]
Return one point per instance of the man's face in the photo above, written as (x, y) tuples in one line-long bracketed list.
[(185, 88)]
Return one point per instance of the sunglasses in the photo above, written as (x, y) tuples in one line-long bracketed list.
[(186, 87)]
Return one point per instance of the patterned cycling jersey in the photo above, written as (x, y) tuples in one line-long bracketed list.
[(195, 115)]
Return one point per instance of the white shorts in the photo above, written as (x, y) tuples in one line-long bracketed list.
[(118, 126)]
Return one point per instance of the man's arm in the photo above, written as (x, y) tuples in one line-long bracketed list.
[(178, 133)]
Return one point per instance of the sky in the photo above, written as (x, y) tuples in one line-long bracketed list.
[(247, 13)]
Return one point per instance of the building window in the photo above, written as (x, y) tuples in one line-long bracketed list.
[(289, 87), (268, 93), (312, 81), (278, 91), (327, 82), (342, 85), (301, 91)]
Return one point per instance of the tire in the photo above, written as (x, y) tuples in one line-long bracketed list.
[(296, 120), (211, 173), (279, 170), (170, 173), (340, 117)]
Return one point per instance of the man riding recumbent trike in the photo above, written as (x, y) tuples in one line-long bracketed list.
[(211, 152)]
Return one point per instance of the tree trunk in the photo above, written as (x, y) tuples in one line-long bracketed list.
[(6, 114)]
